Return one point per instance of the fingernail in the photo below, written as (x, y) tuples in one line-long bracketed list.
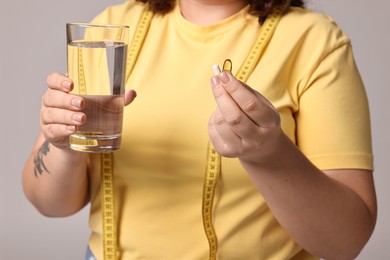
[(214, 81), (224, 77), (76, 102), (78, 117), (71, 128), (66, 84)]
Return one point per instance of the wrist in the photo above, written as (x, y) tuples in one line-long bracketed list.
[(284, 157), (269, 151), (69, 155)]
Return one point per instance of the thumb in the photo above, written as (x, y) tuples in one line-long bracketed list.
[(130, 95)]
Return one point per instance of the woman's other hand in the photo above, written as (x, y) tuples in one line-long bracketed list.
[(244, 124)]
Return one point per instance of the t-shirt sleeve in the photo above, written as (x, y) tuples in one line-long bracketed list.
[(333, 122)]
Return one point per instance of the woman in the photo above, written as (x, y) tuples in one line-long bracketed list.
[(296, 179)]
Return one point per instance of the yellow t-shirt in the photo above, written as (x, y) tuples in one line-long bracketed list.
[(309, 75)]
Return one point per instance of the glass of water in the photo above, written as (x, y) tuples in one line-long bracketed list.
[(96, 57)]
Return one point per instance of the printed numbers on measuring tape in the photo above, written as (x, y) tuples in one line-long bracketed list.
[(258, 48), (210, 182), (214, 159), (211, 176), (107, 169), (108, 209), (139, 36), (81, 76)]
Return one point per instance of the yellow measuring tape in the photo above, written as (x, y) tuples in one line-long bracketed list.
[(81, 76), (108, 206), (107, 167), (107, 181), (213, 169), (213, 158), (107, 172)]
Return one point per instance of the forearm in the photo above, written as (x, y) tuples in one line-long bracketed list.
[(55, 180), (323, 215)]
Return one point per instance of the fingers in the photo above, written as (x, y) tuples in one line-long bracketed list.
[(130, 96), (57, 124), (60, 111), (233, 96), (244, 119), (62, 116), (59, 107), (57, 134), (219, 132), (230, 113), (59, 99), (59, 81)]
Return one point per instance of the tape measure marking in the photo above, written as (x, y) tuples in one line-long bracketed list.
[(258, 48), (139, 37), (81, 76), (213, 169), (108, 206)]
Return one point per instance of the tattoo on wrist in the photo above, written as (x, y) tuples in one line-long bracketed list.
[(40, 166)]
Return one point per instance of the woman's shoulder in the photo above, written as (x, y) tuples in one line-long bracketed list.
[(313, 26)]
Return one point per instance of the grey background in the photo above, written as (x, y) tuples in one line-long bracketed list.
[(32, 44)]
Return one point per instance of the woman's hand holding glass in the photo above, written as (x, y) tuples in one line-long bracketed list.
[(61, 112)]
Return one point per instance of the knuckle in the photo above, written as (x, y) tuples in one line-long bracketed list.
[(251, 105), (228, 152), (49, 115), (211, 124), (218, 92), (49, 132), (43, 116), (234, 119), (45, 98), (49, 79), (231, 88), (219, 120), (216, 118), (52, 79)]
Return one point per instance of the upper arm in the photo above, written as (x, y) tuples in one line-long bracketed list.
[(361, 182), (333, 121)]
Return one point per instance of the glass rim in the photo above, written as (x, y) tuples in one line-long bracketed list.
[(87, 25)]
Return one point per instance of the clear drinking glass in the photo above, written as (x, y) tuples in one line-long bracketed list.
[(96, 57)]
